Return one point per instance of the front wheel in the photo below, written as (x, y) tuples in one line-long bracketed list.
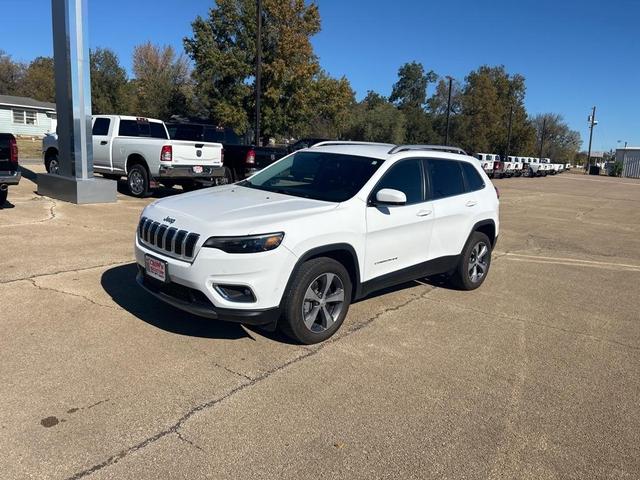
[(138, 181), (474, 263), (316, 301)]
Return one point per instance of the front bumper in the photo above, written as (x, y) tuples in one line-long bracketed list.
[(190, 301), (7, 178), (192, 285), (186, 171)]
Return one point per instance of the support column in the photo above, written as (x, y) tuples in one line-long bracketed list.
[(76, 182)]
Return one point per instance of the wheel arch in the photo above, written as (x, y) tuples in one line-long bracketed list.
[(136, 159), (488, 227), (50, 153), (343, 253)]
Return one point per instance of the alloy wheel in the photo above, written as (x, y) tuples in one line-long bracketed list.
[(323, 302), (136, 182), (478, 262)]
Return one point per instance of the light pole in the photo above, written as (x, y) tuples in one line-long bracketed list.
[(592, 123), (506, 156), (258, 67), (446, 138), (544, 125)]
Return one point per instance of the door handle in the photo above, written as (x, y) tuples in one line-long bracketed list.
[(103, 142), (423, 213), (471, 203)]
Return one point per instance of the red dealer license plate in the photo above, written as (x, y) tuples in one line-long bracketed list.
[(197, 169), (155, 268)]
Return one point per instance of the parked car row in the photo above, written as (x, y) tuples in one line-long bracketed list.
[(512, 166)]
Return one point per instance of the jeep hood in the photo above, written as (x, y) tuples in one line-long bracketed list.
[(233, 210)]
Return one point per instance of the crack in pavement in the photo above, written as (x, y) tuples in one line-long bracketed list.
[(189, 442), (77, 295), (83, 269), (307, 352), (52, 213)]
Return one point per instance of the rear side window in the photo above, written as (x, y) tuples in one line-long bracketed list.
[(128, 128), (156, 130), (445, 178), (405, 176), (472, 178), (101, 126)]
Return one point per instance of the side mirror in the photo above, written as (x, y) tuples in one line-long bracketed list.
[(389, 196)]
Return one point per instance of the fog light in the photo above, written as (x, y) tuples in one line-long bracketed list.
[(236, 293)]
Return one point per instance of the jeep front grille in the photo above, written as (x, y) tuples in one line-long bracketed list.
[(168, 240)]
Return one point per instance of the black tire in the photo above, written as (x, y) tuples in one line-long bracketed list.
[(3, 197), (138, 181), (462, 277), (52, 164), (309, 275)]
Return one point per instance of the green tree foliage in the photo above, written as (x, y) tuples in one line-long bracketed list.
[(437, 107), (11, 75), (38, 81), (376, 119), (332, 102), (110, 89), (488, 96), (162, 83), (223, 49), (560, 142), (409, 94)]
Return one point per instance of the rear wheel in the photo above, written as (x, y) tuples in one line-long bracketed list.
[(316, 301), (52, 165), (474, 263), (3, 197), (138, 181)]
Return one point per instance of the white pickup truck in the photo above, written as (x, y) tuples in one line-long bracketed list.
[(513, 166), (140, 149)]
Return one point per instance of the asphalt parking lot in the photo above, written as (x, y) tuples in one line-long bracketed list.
[(535, 375)]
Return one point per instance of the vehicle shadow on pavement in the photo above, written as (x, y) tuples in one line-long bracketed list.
[(120, 283)]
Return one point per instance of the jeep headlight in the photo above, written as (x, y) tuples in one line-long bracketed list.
[(246, 244)]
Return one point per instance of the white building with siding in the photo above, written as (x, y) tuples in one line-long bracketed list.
[(27, 117), (630, 158)]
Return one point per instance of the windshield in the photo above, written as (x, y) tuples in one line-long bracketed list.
[(324, 176)]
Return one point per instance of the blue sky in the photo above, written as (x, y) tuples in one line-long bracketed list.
[(573, 53)]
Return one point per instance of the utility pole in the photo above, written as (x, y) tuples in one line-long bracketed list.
[(258, 68), (446, 139), (506, 156), (592, 123), (544, 125)]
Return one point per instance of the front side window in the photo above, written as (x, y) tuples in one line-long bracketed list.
[(323, 176), (101, 126), (406, 177), (445, 178)]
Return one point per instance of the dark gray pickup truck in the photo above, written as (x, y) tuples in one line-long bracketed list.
[(9, 171)]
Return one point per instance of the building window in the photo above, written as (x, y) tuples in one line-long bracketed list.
[(25, 117)]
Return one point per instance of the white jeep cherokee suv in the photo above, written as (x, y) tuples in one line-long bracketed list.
[(299, 241)]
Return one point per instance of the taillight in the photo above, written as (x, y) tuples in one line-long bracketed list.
[(250, 158), (497, 192), (222, 155), (166, 155), (13, 151)]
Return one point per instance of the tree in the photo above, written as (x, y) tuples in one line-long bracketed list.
[(110, 89), (409, 94), (375, 119), (488, 96), (560, 142), (332, 102), (223, 49), (11, 75), (437, 107), (38, 81), (162, 81)]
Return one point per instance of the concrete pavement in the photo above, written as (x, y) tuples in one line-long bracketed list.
[(532, 376)]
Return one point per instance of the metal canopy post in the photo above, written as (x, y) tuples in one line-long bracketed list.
[(76, 182)]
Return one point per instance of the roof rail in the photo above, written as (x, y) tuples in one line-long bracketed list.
[(347, 142), (434, 148)]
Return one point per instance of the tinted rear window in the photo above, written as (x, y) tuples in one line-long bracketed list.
[(191, 133), (101, 126), (472, 177), (445, 178), (135, 128)]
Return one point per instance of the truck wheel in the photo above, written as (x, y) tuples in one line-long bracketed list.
[(52, 165), (138, 181), (3, 197), (474, 263), (316, 301), (228, 177)]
